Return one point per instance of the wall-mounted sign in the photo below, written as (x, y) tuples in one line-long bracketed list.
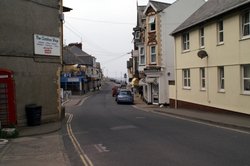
[(73, 79), (47, 45)]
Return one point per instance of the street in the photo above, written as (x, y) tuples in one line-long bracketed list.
[(102, 133)]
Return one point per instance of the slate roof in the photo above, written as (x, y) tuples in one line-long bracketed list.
[(160, 5), (69, 58), (141, 8), (74, 55), (140, 15), (209, 10), (66, 9)]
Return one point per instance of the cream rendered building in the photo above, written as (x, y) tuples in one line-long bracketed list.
[(171, 18), (213, 58)]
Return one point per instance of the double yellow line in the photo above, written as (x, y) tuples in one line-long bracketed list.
[(84, 158)]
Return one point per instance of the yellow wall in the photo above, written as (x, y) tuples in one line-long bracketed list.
[(231, 55)]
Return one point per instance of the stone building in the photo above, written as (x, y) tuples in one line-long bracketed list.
[(30, 49)]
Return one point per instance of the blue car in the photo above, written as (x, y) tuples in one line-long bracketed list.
[(125, 96)]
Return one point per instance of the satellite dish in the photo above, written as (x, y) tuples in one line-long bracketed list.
[(202, 54)]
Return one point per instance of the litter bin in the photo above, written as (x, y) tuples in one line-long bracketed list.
[(33, 114)]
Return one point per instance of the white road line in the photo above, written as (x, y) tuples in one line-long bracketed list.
[(196, 121), (3, 141), (82, 101), (98, 148), (203, 123)]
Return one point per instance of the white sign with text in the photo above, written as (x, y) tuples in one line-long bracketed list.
[(47, 45)]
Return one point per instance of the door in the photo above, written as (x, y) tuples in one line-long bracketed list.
[(155, 93), (7, 99)]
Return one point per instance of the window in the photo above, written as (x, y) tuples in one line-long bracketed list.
[(185, 41), (152, 23), (202, 37), (246, 24), (153, 54), (137, 35), (246, 78), (220, 32), (141, 56), (186, 79), (221, 79), (202, 78)]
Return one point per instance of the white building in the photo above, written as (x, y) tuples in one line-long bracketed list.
[(161, 20)]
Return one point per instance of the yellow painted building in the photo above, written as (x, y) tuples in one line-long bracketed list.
[(212, 54)]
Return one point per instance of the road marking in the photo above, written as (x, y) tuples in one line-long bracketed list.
[(123, 127), (195, 121), (85, 160), (82, 101), (203, 123), (140, 117), (101, 148), (3, 141)]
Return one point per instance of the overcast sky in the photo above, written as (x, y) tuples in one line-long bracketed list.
[(105, 29)]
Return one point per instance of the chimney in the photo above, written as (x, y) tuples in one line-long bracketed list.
[(79, 45)]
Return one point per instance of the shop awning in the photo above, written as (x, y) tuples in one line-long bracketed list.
[(142, 82), (151, 80)]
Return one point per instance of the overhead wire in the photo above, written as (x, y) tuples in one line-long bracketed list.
[(106, 62), (44, 4), (104, 51), (101, 21), (74, 32), (113, 59), (78, 34)]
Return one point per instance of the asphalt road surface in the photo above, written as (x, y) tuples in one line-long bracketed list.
[(103, 133)]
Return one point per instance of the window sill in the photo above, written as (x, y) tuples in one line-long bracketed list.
[(185, 51), (186, 88), (221, 91), (246, 93), (152, 31), (203, 90), (245, 38), (220, 44)]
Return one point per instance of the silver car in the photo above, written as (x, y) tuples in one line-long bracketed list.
[(125, 96)]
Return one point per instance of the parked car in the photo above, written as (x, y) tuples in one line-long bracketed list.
[(114, 91), (125, 96)]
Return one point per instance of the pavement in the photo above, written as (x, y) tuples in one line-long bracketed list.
[(234, 121), (43, 145)]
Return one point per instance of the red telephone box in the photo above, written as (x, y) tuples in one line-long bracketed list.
[(7, 98)]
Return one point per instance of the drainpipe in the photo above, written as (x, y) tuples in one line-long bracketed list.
[(61, 110), (208, 96), (175, 59)]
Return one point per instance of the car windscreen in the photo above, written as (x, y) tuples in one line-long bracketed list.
[(125, 93)]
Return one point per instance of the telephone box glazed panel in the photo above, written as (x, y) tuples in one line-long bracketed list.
[(7, 98)]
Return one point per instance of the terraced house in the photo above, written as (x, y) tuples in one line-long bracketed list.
[(155, 45), (155, 82), (80, 73), (213, 58)]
